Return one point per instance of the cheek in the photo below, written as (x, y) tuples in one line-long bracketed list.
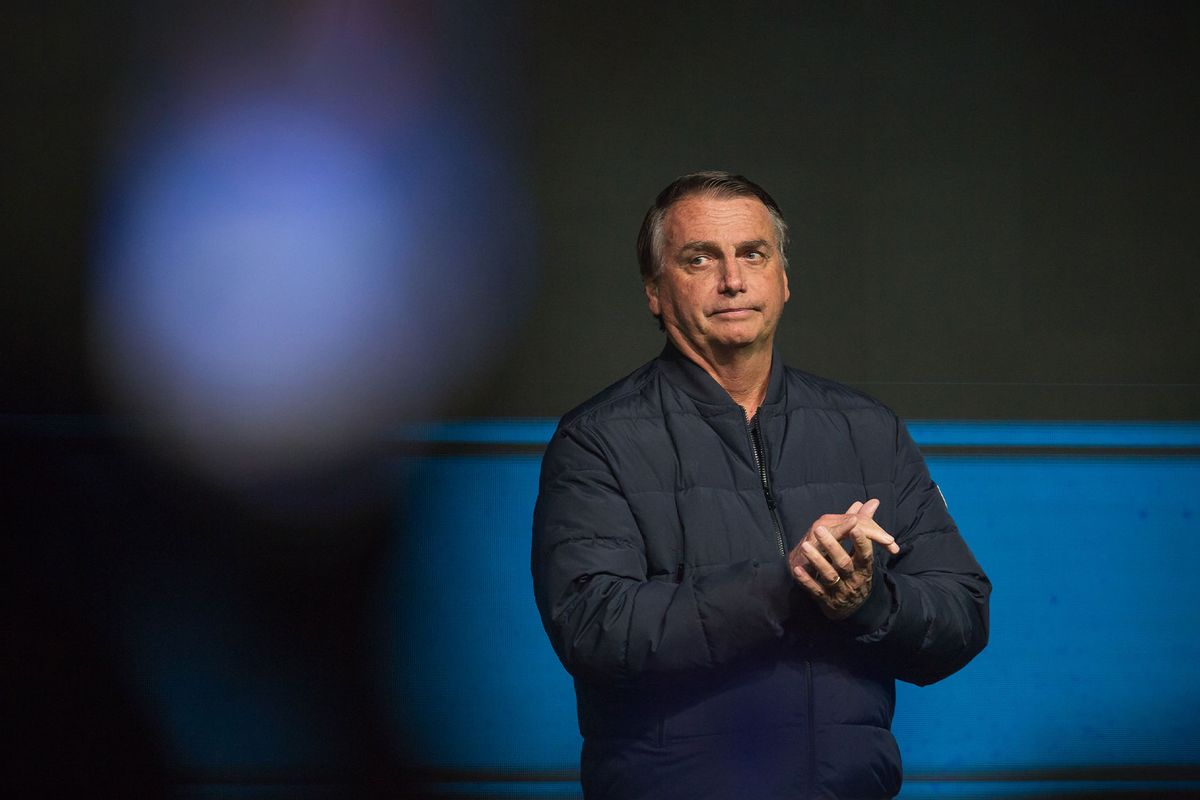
[(684, 303), (691, 304)]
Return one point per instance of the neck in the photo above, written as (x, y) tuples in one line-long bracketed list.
[(743, 372)]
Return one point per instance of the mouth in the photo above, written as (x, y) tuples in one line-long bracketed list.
[(733, 313)]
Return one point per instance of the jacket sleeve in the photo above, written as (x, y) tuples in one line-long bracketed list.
[(927, 614), (608, 620)]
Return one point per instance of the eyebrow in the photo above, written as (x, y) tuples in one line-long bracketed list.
[(707, 246)]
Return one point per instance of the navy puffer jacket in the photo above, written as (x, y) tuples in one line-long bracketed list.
[(702, 669)]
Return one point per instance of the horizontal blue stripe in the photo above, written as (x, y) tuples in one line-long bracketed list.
[(482, 431), (537, 431), (943, 433), (1010, 433)]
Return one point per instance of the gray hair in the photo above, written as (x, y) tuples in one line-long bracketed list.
[(709, 184)]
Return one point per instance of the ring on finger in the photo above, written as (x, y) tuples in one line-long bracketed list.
[(836, 580)]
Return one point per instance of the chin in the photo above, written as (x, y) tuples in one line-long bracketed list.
[(738, 341)]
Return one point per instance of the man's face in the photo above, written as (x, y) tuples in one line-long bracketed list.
[(722, 285)]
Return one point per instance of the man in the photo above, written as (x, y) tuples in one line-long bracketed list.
[(734, 559)]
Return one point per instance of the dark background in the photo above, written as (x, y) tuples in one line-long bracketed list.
[(992, 210), (992, 205)]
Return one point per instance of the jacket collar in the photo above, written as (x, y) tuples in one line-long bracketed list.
[(701, 387)]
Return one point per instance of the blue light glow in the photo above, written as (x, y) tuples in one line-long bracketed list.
[(277, 288)]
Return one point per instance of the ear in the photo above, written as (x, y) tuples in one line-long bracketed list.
[(651, 288), (787, 293)]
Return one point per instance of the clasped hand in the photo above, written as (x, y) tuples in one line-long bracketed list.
[(839, 581)]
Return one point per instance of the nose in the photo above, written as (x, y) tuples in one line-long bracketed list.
[(732, 281)]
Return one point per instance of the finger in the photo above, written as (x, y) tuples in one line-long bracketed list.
[(854, 507), (829, 520), (869, 508), (864, 554), (818, 565), (808, 582), (872, 530), (841, 529), (835, 553), (796, 558)]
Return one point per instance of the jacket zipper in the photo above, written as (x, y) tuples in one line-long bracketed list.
[(760, 461)]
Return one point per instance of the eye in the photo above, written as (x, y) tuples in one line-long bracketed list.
[(698, 261), (754, 256)]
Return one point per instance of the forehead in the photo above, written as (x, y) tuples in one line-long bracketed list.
[(705, 218)]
